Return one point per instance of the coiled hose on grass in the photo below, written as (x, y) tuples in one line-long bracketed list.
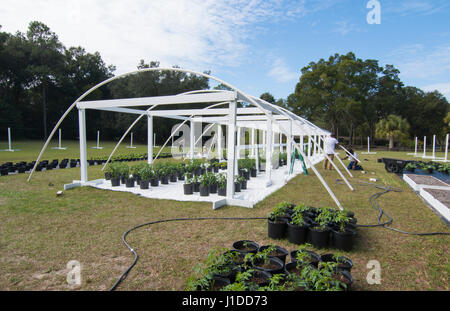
[(372, 200)]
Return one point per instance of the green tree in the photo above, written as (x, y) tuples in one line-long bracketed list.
[(268, 97), (390, 127)]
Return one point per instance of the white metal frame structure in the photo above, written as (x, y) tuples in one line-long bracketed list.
[(257, 114), (59, 142), (10, 143)]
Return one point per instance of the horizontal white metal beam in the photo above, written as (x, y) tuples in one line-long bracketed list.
[(161, 100)]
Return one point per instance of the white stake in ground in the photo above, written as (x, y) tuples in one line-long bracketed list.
[(131, 143), (10, 149), (415, 150), (445, 158), (368, 147), (425, 149), (98, 141), (59, 142)]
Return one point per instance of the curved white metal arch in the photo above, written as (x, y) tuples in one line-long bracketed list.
[(245, 97)]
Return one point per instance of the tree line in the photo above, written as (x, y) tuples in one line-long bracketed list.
[(40, 78), (354, 97)]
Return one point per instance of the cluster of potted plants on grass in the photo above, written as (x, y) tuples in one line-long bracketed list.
[(249, 267), (322, 227)]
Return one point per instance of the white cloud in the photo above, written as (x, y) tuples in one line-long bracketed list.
[(199, 34), (422, 7), (419, 62), (281, 73), (443, 88)]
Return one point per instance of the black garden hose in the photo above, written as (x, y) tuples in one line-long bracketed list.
[(373, 202), (136, 256)]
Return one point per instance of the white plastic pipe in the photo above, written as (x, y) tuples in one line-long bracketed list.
[(9, 140), (425, 146), (446, 147), (434, 146)]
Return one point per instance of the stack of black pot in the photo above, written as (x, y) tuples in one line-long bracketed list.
[(322, 227)]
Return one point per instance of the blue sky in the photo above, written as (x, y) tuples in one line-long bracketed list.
[(257, 45)]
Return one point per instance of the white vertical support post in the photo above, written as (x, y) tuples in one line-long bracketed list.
[(309, 147), (446, 147), (269, 152), (98, 139), (131, 143), (302, 142), (83, 153), (415, 149), (154, 139), (231, 148), (281, 142), (150, 139), (289, 146), (253, 149), (192, 140), (424, 146), (59, 139), (219, 142), (238, 143), (434, 147), (9, 140)]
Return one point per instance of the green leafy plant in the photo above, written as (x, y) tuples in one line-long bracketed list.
[(279, 210)]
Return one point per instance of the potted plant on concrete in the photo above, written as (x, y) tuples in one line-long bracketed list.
[(164, 175), (213, 182), (222, 184), (188, 186), (196, 183), (146, 174), (114, 169), (204, 185), (237, 183)]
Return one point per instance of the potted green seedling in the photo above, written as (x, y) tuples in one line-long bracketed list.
[(410, 167), (277, 220), (188, 186), (196, 183), (204, 185), (114, 170), (146, 174), (320, 233), (297, 227), (222, 184)]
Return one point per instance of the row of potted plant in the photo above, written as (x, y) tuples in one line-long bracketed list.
[(428, 167), (322, 227), (249, 267), (210, 183)]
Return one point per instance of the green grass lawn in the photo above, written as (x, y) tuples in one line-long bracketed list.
[(40, 232)]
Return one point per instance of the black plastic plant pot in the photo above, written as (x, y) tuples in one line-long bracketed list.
[(231, 275), (212, 188), (129, 182), (273, 265), (253, 172), (345, 277), (244, 185), (344, 240), (297, 234), (196, 187), (237, 187), (123, 179), (188, 189), (319, 238), (246, 246), (344, 263), (276, 229), (180, 177), (154, 182), (291, 268), (280, 252), (260, 277), (217, 283), (108, 176), (204, 191), (222, 192), (313, 259), (115, 182), (246, 175), (144, 185), (173, 178), (165, 180), (5, 172)]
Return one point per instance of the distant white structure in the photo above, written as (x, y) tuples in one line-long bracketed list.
[(10, 149), (131, 143), (59, 143), (368, 147), (98, 141)]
